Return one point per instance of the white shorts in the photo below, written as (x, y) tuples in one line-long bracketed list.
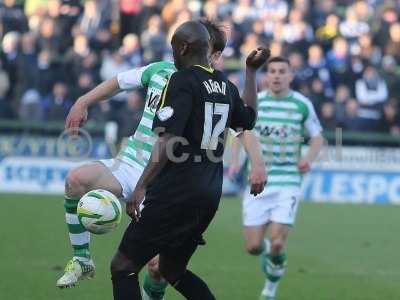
[(126, 175), (274, 204)]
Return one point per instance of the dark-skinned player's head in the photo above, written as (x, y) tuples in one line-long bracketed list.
[(190, 44), (218, 39)]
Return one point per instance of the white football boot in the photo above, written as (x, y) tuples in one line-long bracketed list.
[(75, 271)]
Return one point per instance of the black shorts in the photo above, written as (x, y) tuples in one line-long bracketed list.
[(165, 229)]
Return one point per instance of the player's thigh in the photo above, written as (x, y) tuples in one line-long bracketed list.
[(96, 175), (254, 236)]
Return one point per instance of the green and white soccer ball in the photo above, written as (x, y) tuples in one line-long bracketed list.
[(99, 211)]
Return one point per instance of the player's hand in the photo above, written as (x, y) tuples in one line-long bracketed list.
[(258, 179), (304, 166), (134, 201), (77, 116), (233, 170), (257, 58)]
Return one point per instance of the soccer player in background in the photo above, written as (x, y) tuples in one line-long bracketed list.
[(274, 147), (182, 181), (119, 175)]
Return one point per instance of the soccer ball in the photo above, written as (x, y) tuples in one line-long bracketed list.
[(99, 211)]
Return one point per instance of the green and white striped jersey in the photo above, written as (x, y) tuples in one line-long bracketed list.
[(153, 77), (280, 127)]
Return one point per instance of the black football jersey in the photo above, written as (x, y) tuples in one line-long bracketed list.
[(198, 106)]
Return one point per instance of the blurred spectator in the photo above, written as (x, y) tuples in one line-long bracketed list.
[(388, 17), (342, 97), (371, 93), (352, 121), (352, 28), (244, 13), (130, 50), (153, 40), (391, 118), (92, 21), (130, 16), (317, 94), (12, 16), (338, 60), (171, 11), (393, 45), (391, 77), (57, 105), (297, 33), (328, 119), (5, 110), (27, 64), (48, 72), (31, 107), (49, 37), (301, 75), (328, 32), (317, 67), (368, 51), (111, 66), (8, 57), (74, 58)]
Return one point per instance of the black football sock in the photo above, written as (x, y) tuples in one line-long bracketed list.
[(193, 288), (125, 286)]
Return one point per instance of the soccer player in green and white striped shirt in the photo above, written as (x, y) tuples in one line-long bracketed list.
[(274, 147), (118, 175)]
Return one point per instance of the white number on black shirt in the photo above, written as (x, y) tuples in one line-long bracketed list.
[(210, 135)]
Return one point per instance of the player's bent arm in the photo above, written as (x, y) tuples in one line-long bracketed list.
[(158, 159), (103, 91), (78, 113), (258, 176), (234, 164), (249, 95), (253, 62), (253, 148), (316, 143)]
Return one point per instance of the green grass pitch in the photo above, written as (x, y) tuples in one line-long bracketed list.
[(346, 252)]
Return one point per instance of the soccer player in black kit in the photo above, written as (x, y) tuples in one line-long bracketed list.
[(182, 182)]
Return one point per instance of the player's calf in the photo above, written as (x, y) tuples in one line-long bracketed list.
[(154, 284), (254, 248), (124, 276)]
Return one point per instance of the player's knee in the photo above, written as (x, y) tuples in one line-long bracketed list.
[(254, 248), (277, 246), (121, 263), (75, 183)]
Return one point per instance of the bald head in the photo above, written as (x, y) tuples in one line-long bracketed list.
[(190, 44)]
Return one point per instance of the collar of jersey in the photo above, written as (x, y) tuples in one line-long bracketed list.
[(289, 95), (208, 69)]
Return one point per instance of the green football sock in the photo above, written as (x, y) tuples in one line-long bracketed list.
[(154, 289), (78, 235), (275, 266)]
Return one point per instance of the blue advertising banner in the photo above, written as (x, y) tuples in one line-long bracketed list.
[(324, 185), (40, 164)]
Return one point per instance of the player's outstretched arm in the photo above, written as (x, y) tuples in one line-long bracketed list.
[(258, 176), (77, 116), (253, 62), (316, 144)]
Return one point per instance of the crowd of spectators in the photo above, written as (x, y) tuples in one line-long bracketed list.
[(346, 54)]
